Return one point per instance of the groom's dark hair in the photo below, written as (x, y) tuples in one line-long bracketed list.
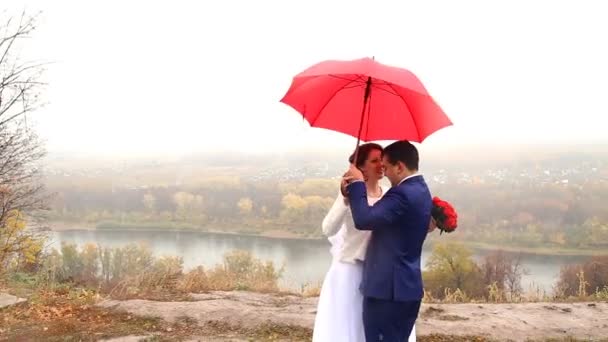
[(402, 151)]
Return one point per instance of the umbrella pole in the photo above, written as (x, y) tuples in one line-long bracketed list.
[(368, 90)]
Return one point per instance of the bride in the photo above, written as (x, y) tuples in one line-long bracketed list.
[(340, 308)]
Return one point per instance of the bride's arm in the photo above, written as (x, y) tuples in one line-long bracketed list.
[(335, 217)]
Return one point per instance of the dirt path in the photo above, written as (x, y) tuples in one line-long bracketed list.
[(516, 322)]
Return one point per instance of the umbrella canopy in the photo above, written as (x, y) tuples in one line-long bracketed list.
[(367, 100)]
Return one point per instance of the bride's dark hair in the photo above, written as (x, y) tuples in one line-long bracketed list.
[(364, 151)]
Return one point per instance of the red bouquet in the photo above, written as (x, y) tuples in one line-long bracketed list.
[(444, 215)]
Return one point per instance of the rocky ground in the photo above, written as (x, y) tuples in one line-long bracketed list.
[(246, 316), (517, 322)]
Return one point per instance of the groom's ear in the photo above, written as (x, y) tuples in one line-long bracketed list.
[(401, 167)]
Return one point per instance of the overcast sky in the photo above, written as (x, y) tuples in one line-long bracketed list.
[(154, 77)]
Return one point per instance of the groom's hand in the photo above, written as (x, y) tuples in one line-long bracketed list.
[(343, 185), (354, 174)]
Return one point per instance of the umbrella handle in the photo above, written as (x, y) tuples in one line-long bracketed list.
[(366, 96)]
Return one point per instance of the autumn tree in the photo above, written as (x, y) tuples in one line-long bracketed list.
[(245, 205), (503, 272), (451, 267), (149, 202), (22, 196), (584, 278), (189, 207)]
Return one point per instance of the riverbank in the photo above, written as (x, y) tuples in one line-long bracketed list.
[(289, 235), (271, 234), (541, 251)]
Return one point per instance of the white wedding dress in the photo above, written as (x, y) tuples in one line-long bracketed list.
[(340, 308)]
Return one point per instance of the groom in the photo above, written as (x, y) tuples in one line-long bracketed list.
[(392, 281)]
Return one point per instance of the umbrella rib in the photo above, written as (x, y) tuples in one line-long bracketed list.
[(408, 109), (329, 100), (386, 90), (358, 79)]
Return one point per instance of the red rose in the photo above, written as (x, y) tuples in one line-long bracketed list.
[(446, 216), (449, 207)]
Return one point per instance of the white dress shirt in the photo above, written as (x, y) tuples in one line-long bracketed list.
[(408, 177)]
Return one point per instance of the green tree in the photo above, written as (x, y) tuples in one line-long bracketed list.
[(451, 266)]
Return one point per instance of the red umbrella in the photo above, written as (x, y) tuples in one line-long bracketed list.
[(365, 99)]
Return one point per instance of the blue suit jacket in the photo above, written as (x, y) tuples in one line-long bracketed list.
[(399, 223)]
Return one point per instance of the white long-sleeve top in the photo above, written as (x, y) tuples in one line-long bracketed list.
[(353, 241)]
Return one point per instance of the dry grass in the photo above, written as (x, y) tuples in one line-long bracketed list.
[(67, 315), (133, 272), (311, 290)]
